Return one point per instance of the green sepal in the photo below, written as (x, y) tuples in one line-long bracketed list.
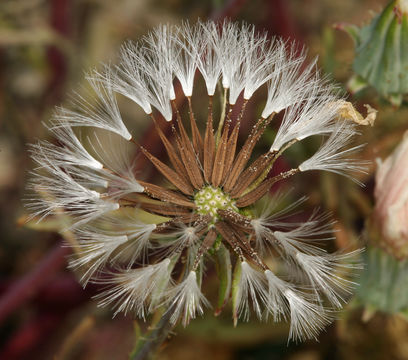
[(199, 274), (161, 286), (235, 291), (224, 272)]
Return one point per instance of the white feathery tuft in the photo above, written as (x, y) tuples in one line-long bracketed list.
[(332, 155), (304, 237), (183, 236), (312, 114), (326, 273), (247, 63), (269, 218), (138, 234), (252, 285), (103, 113), (307, 317), (59, 191), (185, 300), (119, 171), (135, 290), (95, 249), (286, 84), (158, 61), (234, 59), (209, 61), (276, 300), (72, 153), (230, 52), (260, 56), (127, 78), (186, 62)]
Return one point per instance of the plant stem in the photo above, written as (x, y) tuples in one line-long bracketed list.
[(149, 343)]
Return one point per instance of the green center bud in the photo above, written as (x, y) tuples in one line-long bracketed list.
[(210, 199)]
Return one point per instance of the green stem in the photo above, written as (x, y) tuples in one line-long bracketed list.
[(149, 343)]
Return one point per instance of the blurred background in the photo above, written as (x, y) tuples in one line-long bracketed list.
[(45, 48)]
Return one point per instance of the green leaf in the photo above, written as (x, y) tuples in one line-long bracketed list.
[(224, 270), (352, 30), (356, 84)]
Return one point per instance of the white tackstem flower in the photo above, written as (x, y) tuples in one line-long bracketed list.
[(103, 113), (186, 300), (332, 155), (252, 285), (135, 290)]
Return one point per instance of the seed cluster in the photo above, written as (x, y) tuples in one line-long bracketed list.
[(209, 200)]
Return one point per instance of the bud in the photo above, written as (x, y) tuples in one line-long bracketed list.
[(391, 195)]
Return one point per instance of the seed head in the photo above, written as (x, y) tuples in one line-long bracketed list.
[(148, 241)]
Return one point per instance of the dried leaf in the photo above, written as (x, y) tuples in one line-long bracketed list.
[(348, 112)]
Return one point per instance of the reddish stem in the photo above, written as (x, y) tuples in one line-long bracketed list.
[(28, 286)]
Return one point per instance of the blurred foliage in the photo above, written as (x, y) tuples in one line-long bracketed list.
[(384, 284), (381, 58), (45, 47)]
